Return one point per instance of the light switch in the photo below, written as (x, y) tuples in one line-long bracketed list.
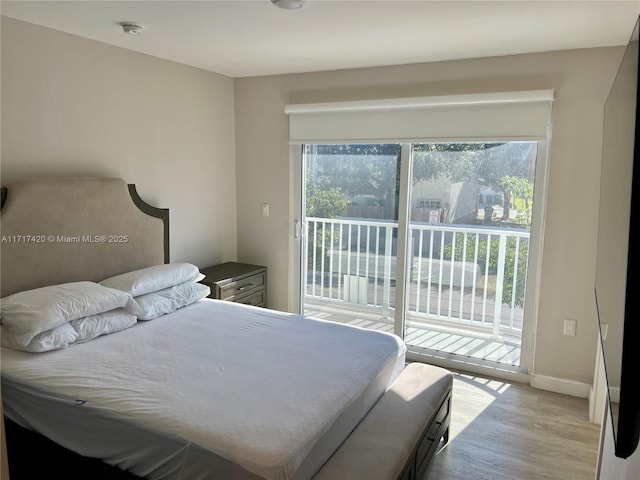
[(570, 327), (265, 209)]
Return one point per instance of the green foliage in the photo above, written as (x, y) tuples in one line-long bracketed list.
[(519, 186), (511, 263), (357, 170), (324, 203), (522, 189), (327, 204), (434, 160)]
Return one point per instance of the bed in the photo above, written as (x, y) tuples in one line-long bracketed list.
[(143, 376)]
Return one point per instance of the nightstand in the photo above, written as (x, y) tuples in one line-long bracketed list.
[(237, 282)]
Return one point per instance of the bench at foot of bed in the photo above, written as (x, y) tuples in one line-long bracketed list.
[(401, 433)]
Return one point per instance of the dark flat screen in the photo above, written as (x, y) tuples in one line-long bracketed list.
[(617, 303)]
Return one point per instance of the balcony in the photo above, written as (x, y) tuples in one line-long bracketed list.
[(464, 291)]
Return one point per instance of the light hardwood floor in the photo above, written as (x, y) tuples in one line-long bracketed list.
[(510, 431)]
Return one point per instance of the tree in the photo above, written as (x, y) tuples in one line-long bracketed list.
[(454, 160), (359, 170), (324, 203), (520, 188), (512, 160)]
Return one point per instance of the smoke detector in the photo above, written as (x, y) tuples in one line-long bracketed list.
[(289, 4), (132, 28)]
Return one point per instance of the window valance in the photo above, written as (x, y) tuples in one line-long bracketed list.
[(522, 115)]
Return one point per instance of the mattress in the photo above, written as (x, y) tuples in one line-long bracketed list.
[(214, 390)]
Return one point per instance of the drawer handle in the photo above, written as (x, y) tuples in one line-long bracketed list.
[(244, 287)]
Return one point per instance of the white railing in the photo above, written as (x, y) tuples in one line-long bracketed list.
[(462, 274)]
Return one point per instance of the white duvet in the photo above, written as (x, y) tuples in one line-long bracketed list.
[(256, 387)]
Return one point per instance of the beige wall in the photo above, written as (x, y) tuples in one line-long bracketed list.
[(581, 80), (76, 107)]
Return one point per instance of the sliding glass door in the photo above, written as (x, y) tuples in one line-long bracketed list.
[(427, 240), (351, 214), (470, 222)]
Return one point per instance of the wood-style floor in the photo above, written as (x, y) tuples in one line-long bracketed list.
[(510, 431)]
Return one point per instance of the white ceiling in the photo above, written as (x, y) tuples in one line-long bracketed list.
[(242, 38)]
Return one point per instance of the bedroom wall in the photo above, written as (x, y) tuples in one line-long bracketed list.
[(76, 107), (581, 80)]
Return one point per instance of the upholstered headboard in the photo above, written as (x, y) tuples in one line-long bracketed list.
[(70, 229)]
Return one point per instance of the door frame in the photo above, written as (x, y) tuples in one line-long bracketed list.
[(297, 271), (297, 230)]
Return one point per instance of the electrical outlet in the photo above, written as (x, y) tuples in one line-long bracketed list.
[(570, 327)]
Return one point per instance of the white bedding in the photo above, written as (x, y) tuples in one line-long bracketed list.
[(271, 392)]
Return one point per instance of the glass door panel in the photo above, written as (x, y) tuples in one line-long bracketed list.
[(470, 217), (351, 213)]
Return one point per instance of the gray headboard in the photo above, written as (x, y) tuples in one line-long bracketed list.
[(62, 230)]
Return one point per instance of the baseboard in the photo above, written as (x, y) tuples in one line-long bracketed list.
[(561, 385), (543, 382)]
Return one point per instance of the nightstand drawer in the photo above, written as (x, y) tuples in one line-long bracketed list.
[(237, 282), (257, 299), (242, 286)]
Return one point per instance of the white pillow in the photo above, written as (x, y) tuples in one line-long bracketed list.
[(153, 305), (93, 326), (76, 331), (54, 339), (153, 279), (28, 313)]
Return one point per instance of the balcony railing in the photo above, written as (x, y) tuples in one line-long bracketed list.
[(461, 274)]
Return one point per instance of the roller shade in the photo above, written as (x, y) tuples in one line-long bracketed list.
[(524, 115)]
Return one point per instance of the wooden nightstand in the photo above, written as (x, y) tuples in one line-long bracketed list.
[(237, 282)]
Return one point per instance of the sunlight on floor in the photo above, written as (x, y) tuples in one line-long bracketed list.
[(503, 430), (485, 391)]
